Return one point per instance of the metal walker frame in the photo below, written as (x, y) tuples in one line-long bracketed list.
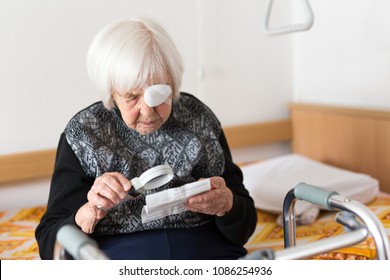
[(350, 210), (357, 219)]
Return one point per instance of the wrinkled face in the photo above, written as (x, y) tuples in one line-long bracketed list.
[(136, 112)]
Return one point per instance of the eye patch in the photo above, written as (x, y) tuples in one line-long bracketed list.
[(157, 94)]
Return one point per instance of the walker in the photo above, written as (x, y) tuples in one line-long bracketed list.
[(356, 218), (357, 230)]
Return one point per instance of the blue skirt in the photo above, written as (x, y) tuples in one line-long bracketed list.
[(200, 243)]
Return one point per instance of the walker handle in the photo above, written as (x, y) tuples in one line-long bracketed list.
[(314, 194)]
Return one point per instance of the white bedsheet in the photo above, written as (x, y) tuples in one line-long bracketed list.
[(270, 180), (24, 194)]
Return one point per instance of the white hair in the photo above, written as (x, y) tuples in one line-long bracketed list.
[(128, 53)]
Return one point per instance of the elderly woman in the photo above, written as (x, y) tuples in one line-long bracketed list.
[(144, 121)]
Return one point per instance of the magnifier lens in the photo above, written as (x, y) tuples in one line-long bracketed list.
[(153, 178), (158, 176)]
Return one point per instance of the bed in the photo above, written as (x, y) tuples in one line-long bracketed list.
[(354, 139)]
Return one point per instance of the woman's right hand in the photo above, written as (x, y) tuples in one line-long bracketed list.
[(107, 191)]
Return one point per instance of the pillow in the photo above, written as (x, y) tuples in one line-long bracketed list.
[(270, 180)]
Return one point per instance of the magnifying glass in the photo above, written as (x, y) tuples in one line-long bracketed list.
[(151, 179)]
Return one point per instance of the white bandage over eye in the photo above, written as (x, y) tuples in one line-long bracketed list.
[(157, 94)]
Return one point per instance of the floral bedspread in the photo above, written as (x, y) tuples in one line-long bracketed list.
[(17, 229)]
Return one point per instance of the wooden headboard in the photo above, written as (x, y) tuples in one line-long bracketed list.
[(351, 138)]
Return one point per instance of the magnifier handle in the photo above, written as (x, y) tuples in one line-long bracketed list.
[(137, 184), (136, 189), (132, 194), (152, 178)]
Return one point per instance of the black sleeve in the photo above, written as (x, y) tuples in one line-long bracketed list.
[(68, 192), (240, 222)]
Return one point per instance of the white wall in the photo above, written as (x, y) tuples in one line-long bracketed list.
[(42, 54), (247, 75), (229, 63), (345, 58), (240, 73)]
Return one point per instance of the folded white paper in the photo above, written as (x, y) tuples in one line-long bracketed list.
[(171, 201)]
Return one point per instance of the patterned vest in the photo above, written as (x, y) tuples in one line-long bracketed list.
[(188, 142)]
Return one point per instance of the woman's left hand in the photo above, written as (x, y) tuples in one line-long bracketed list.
[(218, 201)]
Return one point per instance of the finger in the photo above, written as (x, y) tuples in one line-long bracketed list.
[(197, 199), (123, 181), (207, 210), (217, 182), (214, 202), (99, 201), (203, 203), (100, 207), (199, 209), (118, 186), (106, 191)]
